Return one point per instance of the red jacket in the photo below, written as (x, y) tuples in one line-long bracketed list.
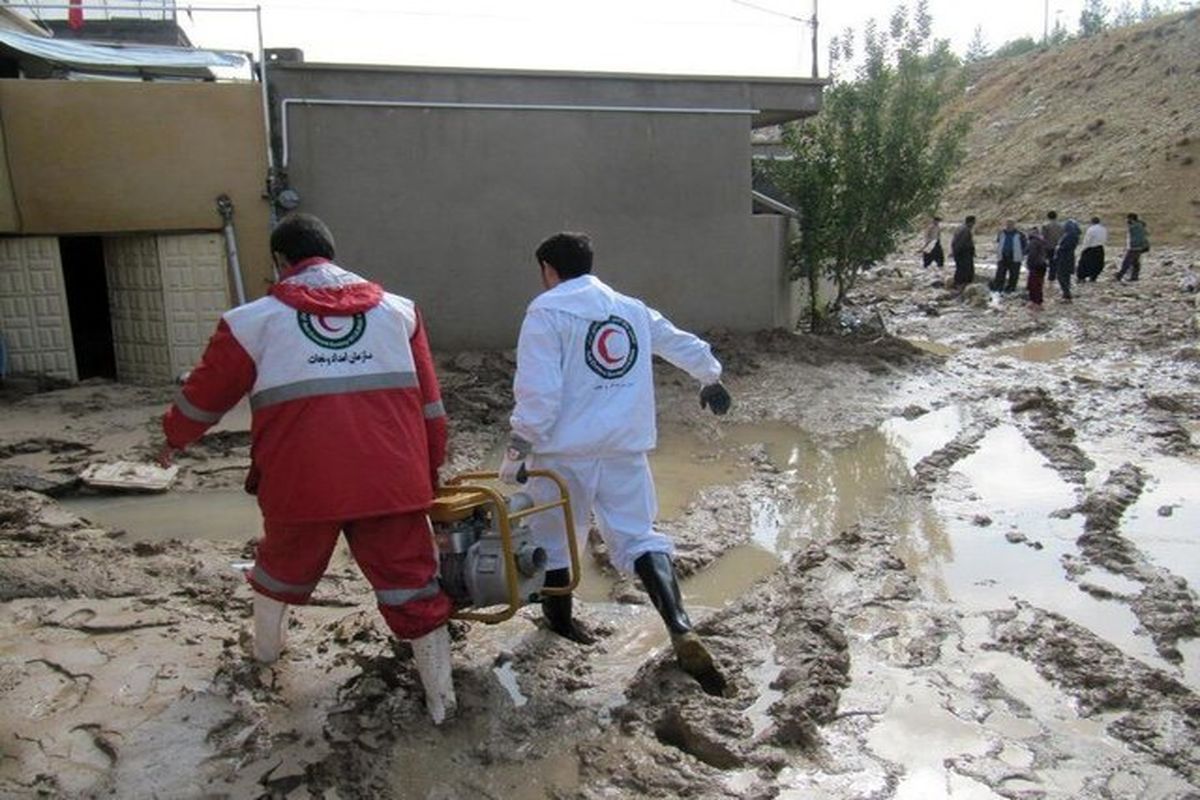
[(347, 419)]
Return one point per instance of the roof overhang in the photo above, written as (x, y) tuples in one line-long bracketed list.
[(44, 56), (767, 100)]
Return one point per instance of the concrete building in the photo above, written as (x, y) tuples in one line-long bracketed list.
[(439, 183), (112, 255)]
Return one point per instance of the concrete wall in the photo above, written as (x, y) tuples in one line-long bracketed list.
[(114, 157), (446, 204), (769, 243)]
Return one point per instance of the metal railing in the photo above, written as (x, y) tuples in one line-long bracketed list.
[(100, 9)]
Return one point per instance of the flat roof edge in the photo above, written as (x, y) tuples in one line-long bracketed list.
[(782, 80)]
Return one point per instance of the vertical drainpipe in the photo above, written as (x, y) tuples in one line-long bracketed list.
[(225, 207), (814, 38), (266, 109)]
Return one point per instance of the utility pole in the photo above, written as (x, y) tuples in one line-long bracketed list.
[(1045, 22), (814, 37)]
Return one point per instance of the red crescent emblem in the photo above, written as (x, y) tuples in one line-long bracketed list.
[(321, 321), (602, 347)]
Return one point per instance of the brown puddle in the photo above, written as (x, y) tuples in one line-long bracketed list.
[(228, 515), (930, 346), (1038, 352)]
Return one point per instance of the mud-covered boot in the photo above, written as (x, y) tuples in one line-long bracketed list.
[(270, 624), (557, 609), (431, 653), (658, 577)]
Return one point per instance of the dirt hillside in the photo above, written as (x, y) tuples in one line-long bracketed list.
[(1101, 126)]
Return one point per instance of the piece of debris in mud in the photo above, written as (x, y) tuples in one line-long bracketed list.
[(130, 476)]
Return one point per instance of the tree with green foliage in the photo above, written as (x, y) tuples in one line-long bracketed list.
[(1124, 15), (1092, 19), (977, 49), (1016, 47), (1058, 34), (877, 156)]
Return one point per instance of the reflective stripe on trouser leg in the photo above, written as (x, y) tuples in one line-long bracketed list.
[(259, 578), (396, 553), (626, 507), (547, 526), (291, 558), (398, 597)]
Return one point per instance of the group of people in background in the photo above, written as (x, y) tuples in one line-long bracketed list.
[(1047, 250)]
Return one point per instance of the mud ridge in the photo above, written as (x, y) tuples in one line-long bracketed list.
[(1008, 335), (1166, 606), (933, 468), (1040, 418), (1157, 713), (692, 739)]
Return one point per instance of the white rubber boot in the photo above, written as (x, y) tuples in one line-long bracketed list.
[(270, 623), (432, 655)]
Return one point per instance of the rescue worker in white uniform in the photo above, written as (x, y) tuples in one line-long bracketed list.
[(584, 392)]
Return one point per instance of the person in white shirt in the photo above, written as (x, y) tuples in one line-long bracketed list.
[(932, 252), (1091, 251), (584, 392)]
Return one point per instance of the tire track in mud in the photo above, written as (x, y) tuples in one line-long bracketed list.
[(933, 468), (1157, 714), (1166, 607), (1041, 419)]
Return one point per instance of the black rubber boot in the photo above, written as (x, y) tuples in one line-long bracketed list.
[(557, 609), (658, 577)]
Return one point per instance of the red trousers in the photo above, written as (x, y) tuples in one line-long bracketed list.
[(396, 553)]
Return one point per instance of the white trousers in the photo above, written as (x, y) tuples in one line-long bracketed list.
[(618, 489)]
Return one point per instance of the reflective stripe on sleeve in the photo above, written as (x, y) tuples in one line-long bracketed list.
[(192, 412), (435, 410), (259, 576), (339, 385), (398, 597)]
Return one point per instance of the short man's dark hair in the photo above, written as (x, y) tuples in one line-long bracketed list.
[(970, 220), (1051, 215), (1131, 217), (1095, 220), (568, 254), (299, 236)]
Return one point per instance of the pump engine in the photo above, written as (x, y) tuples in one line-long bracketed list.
[(486, 550)]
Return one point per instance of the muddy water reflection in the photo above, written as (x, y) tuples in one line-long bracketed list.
[(1011, 484), (216, 516)]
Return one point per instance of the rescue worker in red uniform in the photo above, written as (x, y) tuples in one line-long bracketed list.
[(348, 432)]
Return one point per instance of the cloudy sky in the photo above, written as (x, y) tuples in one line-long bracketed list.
[(680, 36)]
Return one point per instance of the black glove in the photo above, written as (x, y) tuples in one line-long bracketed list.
[(716, 397)]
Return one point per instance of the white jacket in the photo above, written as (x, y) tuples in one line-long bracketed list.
[(585, 384), (1095, 236)]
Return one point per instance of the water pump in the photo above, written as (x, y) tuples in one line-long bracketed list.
[(488, 558)]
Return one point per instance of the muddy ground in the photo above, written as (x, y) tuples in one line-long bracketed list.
[(954, 556)]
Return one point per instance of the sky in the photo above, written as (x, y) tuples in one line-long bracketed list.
[(720, 37), (716, 37)]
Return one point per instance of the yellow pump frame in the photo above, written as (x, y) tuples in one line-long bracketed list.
[(457, 499)]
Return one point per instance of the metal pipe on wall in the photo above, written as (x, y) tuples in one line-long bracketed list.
[(225, 208)]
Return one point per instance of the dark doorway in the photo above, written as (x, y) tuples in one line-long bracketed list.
[(87, 302)]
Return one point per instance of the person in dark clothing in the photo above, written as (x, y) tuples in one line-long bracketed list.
[(1037, 260), (1010, 244), (1138, 243), (932, 252), (1064, 257), (962, 248), (1052, 231)]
